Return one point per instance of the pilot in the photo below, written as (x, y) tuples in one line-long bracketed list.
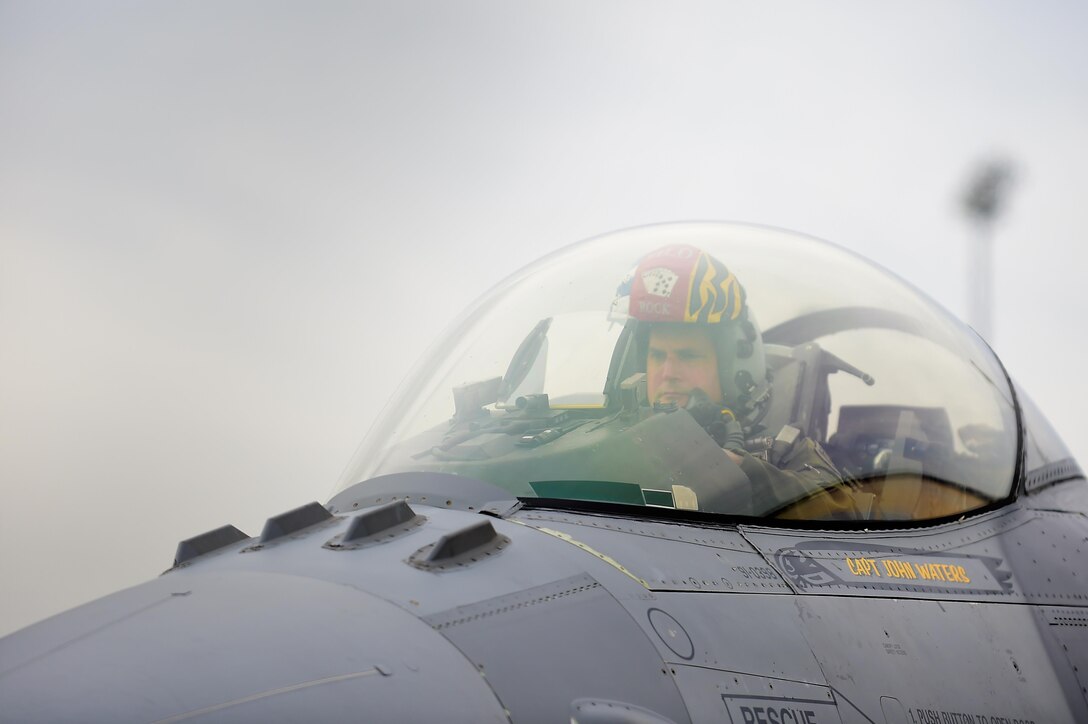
[(704, 353)]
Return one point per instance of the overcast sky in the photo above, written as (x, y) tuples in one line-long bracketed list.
[(226, 228)]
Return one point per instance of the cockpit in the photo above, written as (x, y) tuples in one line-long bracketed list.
[(543, 388)]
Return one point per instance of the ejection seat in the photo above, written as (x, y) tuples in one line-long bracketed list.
[(895, 459)]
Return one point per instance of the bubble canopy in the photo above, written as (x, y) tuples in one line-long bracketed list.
[(541, 389)]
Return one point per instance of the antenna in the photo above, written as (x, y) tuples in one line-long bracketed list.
[(984, 200)]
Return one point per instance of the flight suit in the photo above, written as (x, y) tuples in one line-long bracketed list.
[(789, 475), (802, 484)]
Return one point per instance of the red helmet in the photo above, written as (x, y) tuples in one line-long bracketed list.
[(684, 284)]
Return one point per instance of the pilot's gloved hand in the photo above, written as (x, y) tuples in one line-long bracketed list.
[(718, 421)]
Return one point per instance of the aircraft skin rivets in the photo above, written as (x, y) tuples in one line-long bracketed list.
[(378, 520), (462, 541), (460, 547)]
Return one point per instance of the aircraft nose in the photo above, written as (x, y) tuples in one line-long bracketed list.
[(252, 647)]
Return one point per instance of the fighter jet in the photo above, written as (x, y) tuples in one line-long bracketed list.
[(611, 494)]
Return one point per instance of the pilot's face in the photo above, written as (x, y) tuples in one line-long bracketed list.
[(681, 359)]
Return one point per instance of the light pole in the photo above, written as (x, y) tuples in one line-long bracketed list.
[(983, 201)]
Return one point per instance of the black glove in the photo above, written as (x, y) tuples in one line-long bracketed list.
[(718, 421)]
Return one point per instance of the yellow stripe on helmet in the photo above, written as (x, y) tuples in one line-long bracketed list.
[(709, 301)]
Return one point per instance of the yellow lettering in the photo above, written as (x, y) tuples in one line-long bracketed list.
[(957, 574), (863, 567), (941, 572), (902, 569), (898, 569), (931, 571)]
